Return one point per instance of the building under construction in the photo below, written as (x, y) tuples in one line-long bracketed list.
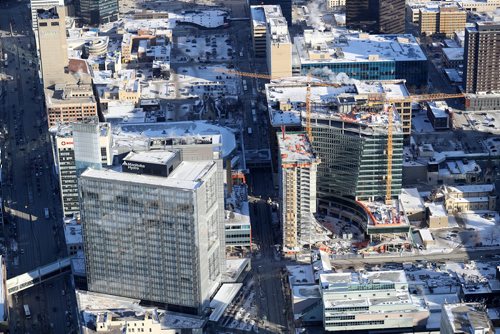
[(297, 180), (350, 132)]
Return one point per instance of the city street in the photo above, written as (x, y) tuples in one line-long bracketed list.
[(267, 269), (29, 185)]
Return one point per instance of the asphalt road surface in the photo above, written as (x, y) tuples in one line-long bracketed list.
[(29, 184), (267, 268)]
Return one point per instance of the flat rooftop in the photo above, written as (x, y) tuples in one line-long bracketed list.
[(258, 16), (411, 201), (438, 108), (73, 234), (65, 130), (286, 100), (456, 54), (154, 157), (339, 46), (139, 135), (355, 278), (472, 188), (188, 175), (464, 317), (295, 148)]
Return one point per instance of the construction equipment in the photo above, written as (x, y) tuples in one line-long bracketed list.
[(390, 121), (380, 101), (308, 83)]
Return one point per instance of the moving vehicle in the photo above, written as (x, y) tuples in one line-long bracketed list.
[(27, 312)]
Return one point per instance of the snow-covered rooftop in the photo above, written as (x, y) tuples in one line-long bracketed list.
[(396, 276), (454, 54), (188, 175), (222, 299), (154, 157), (338, 46), (286, 100), (73, 233), (140, 134)]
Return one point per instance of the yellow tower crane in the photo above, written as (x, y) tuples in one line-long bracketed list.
[(390, 110), (308, 84)]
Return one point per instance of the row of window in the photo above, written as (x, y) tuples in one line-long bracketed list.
[(357, 323)]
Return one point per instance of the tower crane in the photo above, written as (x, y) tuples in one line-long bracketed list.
[(308, 84), (390, 109)]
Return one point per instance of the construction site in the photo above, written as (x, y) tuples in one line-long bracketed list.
[(297, 177), (357, 130)]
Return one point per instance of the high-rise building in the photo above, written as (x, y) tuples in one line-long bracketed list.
[(370, 301), (97, 12), (53, 45), (348, 134), (297, 179), (443, 19), (376, 16), (259, 30), (361, 56), (271, 39), (481, 58), (88, 145), (278, 48), (155, 231), (285, 6), (65, 142), (36, 5)]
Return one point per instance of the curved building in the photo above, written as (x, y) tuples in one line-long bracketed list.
[(349, 132)]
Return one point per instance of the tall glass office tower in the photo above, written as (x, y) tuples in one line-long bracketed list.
[(96, 12), (155, 231)]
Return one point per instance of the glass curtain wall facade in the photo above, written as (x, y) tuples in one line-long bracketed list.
[(354, 161), (153, 242), (97, 12), (414, 72)]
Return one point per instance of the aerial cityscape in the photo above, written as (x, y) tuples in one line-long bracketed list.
[(249, 166)]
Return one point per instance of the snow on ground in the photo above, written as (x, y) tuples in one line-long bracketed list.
[(420, 123), (199, 80), (209, 48), (486, 229)]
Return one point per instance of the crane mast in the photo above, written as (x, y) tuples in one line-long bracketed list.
[(390, 109)]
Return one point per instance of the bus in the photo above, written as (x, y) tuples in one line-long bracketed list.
[(27, 312)]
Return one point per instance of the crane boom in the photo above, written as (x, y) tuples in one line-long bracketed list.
[(383, 100)]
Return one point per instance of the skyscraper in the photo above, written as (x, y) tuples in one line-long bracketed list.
[(482, 58), (97, 12), (87, 144), (156, 230), (66, 145), (53, 45), (297, 180), (376, 16), (285, 5), (35, 5)]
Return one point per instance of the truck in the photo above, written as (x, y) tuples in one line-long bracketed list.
[(46, 212), (27, 313), (250, 131)]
